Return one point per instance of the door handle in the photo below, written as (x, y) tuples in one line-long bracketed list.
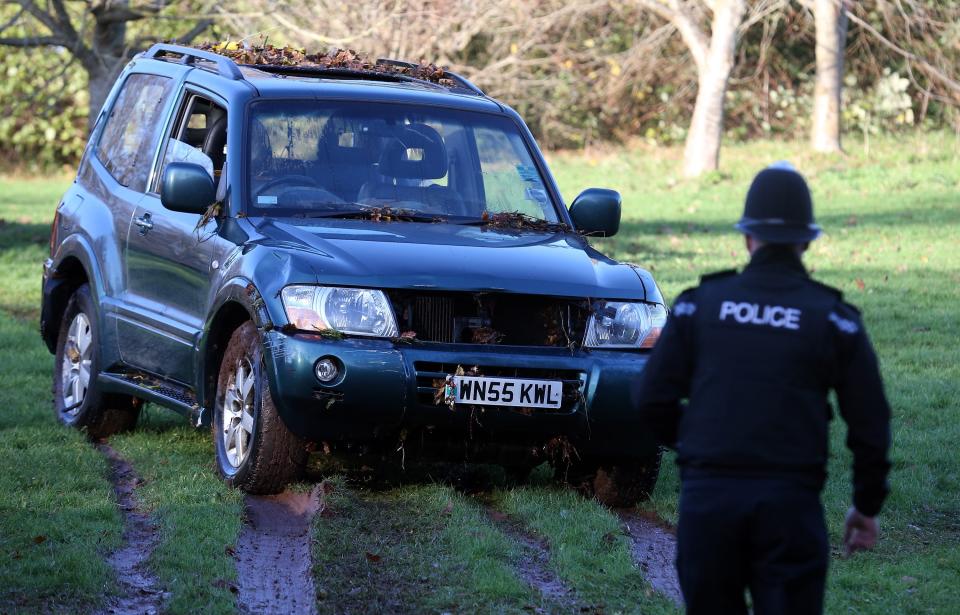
[(144, 223)]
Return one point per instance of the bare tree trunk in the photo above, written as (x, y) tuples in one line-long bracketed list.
[(108, 55), (702, 149), (831, 21)]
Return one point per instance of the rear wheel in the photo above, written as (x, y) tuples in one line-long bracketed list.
[(614, 482), (255, 450), (77, 400)]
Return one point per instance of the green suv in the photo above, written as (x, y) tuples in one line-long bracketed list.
[(371, 261)]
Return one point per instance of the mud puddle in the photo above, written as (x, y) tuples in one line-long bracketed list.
[(140, 590), (273, 554), (654, 550), (534, 569)]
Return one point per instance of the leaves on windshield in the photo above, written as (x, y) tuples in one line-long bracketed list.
[(520, 221), (265, 54)]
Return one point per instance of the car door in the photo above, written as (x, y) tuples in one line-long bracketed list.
[(116, 176), (168, 253)]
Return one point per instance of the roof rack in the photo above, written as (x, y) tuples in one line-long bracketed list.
[(188, 55)]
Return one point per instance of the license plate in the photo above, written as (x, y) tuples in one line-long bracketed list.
[(484, 391)]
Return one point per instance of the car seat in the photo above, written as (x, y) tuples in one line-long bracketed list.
[(415, 155)]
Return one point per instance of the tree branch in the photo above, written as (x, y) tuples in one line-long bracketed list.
[(921, 63), (187, 37), (692, 34), (32, 41)]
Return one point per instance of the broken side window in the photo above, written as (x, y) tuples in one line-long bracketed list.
[(132, 131)]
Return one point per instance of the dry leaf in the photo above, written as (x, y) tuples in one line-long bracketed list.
[(39, 540), (373, 557), (860, 284)]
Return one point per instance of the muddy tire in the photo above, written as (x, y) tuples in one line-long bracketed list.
[(77, 399), (255, 450), (615, 483)]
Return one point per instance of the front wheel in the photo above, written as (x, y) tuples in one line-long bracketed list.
[(77, 399), (255, 450), (614, 482)]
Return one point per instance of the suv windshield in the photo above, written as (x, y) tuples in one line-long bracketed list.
[(318, 158)]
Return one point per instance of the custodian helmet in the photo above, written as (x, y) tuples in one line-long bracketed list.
[(779, 208)]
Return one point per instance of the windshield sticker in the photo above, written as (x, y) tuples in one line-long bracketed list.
[(537, 195), (266, 200), (528, 173)]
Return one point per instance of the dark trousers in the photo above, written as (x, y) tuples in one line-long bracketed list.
[(765, 535)]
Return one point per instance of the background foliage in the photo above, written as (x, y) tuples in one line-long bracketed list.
[(580, 73)]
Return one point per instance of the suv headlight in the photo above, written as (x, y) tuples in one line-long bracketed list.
[(356, 311), (619, 324)]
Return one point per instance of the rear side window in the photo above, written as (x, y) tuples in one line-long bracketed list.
[(132, 131)]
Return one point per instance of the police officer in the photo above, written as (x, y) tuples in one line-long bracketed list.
[(754, 354)]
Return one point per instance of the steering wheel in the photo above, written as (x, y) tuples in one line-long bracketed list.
[(292, 180)]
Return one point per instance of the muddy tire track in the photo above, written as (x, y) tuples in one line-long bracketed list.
[(273, 554), (141, 591), (535, 570), (654, 550)]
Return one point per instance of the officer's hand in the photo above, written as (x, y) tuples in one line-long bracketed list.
[(861, 532)]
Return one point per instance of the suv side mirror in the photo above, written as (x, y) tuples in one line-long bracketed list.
[(597, 212), (187, 188)]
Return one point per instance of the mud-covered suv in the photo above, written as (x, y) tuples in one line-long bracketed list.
[(350, 259)]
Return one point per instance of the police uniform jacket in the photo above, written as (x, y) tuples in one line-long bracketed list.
[(755, 355)]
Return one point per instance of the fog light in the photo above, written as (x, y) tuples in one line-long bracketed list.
[(326, 369)]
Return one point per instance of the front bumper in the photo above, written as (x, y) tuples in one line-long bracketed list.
[(385, 393)]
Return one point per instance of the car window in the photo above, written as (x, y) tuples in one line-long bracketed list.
[(316, 157), (503, 158), (199, 136), (132, 131)]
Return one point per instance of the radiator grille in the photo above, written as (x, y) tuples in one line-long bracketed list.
[(433, 318)]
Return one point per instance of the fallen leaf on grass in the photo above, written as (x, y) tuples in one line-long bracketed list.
[(373, 557), (224, 584), (230, 550), (39, 540), (860, 284)]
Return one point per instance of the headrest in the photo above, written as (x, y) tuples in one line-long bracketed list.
[(415, 152), (348, 140)]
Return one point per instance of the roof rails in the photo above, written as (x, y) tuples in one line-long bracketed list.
[(229, 69), (188, 55)]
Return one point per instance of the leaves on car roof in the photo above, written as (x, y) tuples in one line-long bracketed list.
[(265, 54)]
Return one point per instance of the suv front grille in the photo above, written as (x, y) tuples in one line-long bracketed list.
[(433, 317), (430, 375), (491, 318)]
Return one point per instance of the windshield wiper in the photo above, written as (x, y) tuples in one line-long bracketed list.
[(376, 214), (516, 220)]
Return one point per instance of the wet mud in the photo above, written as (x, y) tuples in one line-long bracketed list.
[(654, 549), (140, 591), (534, 569), (273, 554)]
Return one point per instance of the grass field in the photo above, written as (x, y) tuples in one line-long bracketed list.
[(890, 245)]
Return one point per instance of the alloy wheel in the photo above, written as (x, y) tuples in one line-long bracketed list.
[(75, 366), (238, 414)]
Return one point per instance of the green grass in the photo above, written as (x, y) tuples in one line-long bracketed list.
[(421, 548), (55, 485), (199, 516), (588, 548), (890, 245)]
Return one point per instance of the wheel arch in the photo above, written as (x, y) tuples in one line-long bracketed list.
[(238, 301), (71, 271)]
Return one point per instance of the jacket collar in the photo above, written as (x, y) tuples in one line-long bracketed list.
[(775, 257)]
